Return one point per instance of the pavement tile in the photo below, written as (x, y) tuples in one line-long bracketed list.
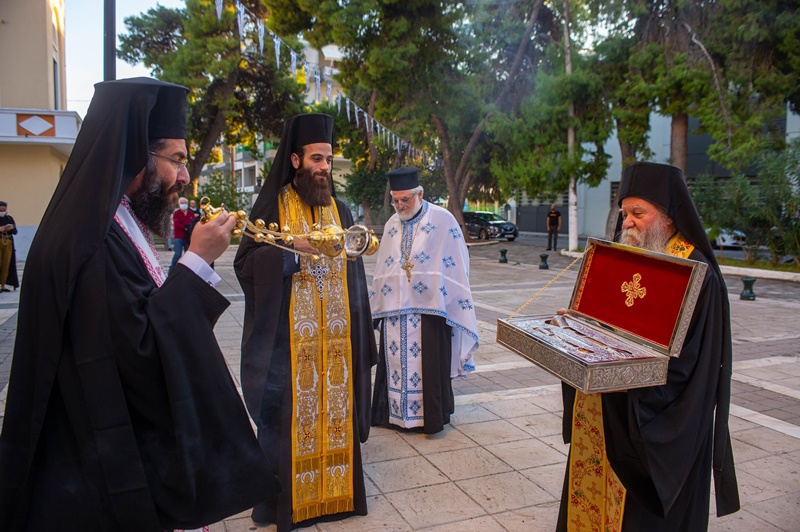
[(468, 463), (490, 432), (434, 505), (370, 488), (403, 473), (538, 518), (383, 447), (526, 453), (509, 408), (741, 521), (484, 524), (753, 489), (382, 516), (769, 440), (745, 452), (449, 439), (780, 471), (539, 425), (505, 491), (548, 477), (466, 414), (782, 512)]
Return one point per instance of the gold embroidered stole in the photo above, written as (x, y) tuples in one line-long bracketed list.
[(596, 495), (322, 422)]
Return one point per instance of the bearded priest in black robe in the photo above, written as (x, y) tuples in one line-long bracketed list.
[(662, 442), (308, 343), (121, 413)]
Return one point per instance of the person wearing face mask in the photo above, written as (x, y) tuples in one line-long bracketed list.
[(8, 257), (181, 219), (421, 295)]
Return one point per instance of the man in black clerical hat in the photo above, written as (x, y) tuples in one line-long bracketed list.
[(663, 442), (118, 416), (308, 342), (421, 294)]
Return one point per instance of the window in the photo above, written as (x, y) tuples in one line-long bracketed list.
[(56, 103), (613, 192)]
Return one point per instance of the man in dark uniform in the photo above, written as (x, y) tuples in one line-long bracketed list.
[(553, 227), (663, 442), (308, 343), (118, 415)]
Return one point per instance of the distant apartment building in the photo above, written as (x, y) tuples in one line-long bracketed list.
[(249, 170), (36, 131)]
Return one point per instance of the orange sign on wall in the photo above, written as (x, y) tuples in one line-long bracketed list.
[(36, 125)]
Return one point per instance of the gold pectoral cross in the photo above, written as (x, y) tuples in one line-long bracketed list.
[(407, 265), (633, 290)]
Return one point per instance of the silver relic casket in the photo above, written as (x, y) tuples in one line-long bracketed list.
[(629, 312)]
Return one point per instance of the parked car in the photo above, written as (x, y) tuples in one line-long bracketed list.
[(485, 225), (729, 239)]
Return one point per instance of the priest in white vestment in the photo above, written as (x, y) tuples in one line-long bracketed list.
[(421, 295)]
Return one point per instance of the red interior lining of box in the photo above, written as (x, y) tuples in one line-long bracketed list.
[(653, 316)]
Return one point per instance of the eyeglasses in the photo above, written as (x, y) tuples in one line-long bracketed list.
[(403, 201), (178, 164)]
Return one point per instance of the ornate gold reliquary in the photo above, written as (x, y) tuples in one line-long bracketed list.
[(629, 312)]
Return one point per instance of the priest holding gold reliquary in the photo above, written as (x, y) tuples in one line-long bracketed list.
[(642, 459)]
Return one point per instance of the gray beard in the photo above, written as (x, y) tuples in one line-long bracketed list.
[(654, 239)]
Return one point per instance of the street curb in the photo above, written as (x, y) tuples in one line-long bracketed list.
[(759, 273)]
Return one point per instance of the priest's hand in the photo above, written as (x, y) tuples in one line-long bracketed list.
[(301, 244), (211, 239)]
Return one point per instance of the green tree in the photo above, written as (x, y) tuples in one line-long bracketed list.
[(233, 93), (221, 190)]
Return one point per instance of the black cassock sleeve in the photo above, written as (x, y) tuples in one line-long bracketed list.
[(153, 353)]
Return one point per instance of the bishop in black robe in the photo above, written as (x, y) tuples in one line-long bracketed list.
[(663, 442), (121, 413), (265, 274)]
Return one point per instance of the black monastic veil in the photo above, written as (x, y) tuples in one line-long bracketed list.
[(121, 414)]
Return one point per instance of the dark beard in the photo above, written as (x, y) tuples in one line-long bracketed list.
[(151, 202), (310, 192)]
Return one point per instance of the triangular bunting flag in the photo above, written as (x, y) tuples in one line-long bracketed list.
[(277, 42), (219, 10), (261, 37), (240, 19)]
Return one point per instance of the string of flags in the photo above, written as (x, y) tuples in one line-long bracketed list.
[(305, 74)]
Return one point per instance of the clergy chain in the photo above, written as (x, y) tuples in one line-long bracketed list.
[(554, 279)]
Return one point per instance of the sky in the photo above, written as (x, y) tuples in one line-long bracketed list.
[(84, 45)]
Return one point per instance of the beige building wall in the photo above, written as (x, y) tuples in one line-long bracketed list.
[(36, 132), (35, 170), (32, 55)]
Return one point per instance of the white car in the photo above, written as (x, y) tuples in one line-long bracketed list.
[(727, 239)]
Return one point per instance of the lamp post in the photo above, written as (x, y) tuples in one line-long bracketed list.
[(109, 40)]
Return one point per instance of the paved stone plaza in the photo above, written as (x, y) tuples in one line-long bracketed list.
[(500, 464)]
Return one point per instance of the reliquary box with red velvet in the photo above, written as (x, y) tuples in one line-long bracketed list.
[(629, 312)]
